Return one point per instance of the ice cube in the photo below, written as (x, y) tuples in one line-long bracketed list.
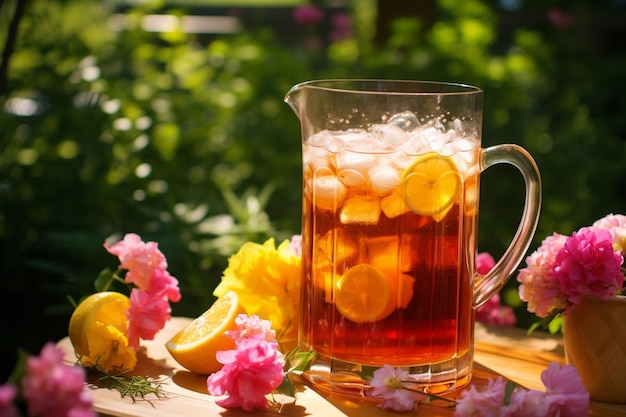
[(332, 252), (323, 281), (402, 158), (319, 139), (355, 140), (439, 142), (390, 136), (393, 205), (465, 128), (383, 178), (330, 140), (360, 141), (334, 248), (419, 141), (352, 178), (405, 290), (466, 162), (360, 210), (380, 252), (357, 161), (407, 121), (314, 156), (443, 143), (466, 144), (335, 145), (351, 135), (328, 191), (390, 254)]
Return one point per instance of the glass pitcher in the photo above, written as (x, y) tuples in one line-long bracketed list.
[(390, 212)]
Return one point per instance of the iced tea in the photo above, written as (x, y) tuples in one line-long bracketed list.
[(387, 278)]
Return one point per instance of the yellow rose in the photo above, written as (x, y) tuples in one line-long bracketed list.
[(267, 281), (108, 349)]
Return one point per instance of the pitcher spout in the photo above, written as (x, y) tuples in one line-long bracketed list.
[(294, 98)]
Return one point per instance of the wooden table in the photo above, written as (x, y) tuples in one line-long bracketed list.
[(508, 352)]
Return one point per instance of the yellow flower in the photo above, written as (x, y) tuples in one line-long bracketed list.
[(267, 281), (108, 349)]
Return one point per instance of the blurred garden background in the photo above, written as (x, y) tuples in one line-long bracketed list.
[(166, 118)]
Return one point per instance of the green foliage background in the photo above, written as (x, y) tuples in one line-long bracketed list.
[(185, 139)]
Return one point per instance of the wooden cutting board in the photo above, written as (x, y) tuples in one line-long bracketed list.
[(519, 359)]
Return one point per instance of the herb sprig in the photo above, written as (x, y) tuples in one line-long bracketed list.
[(134, 386)]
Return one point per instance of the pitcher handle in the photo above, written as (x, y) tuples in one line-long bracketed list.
[(487, 285)]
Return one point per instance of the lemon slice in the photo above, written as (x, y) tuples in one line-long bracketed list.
[(107, 307), (194, 347), (431, 184), (362, 295)]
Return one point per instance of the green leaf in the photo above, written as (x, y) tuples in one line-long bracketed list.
[(19, 370), (556, 325), (302, 361), (508, 392), (553, 323), (286, 387), (105, 280), (533, 327)]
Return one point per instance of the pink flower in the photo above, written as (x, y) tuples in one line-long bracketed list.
[(532, 403), (588, 265), (249, 373), (307, 15), (616, 224), (387, 384), (154, 287), (540, 289), (484, 263), (492, 312), (489, 402), (8, 392), (147, 314), (610, 222), (295, 244), (252, 328), (164, 284), (146, 266), (53, 389), (565, 390), (139, 258), (565, 395)]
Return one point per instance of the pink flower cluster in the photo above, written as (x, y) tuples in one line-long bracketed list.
[(50, 388), (565, 395), (564, 269), (252, 370), (154, 288), (492, 312)]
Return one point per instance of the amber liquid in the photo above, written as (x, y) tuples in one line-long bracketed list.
[(429, 257)]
